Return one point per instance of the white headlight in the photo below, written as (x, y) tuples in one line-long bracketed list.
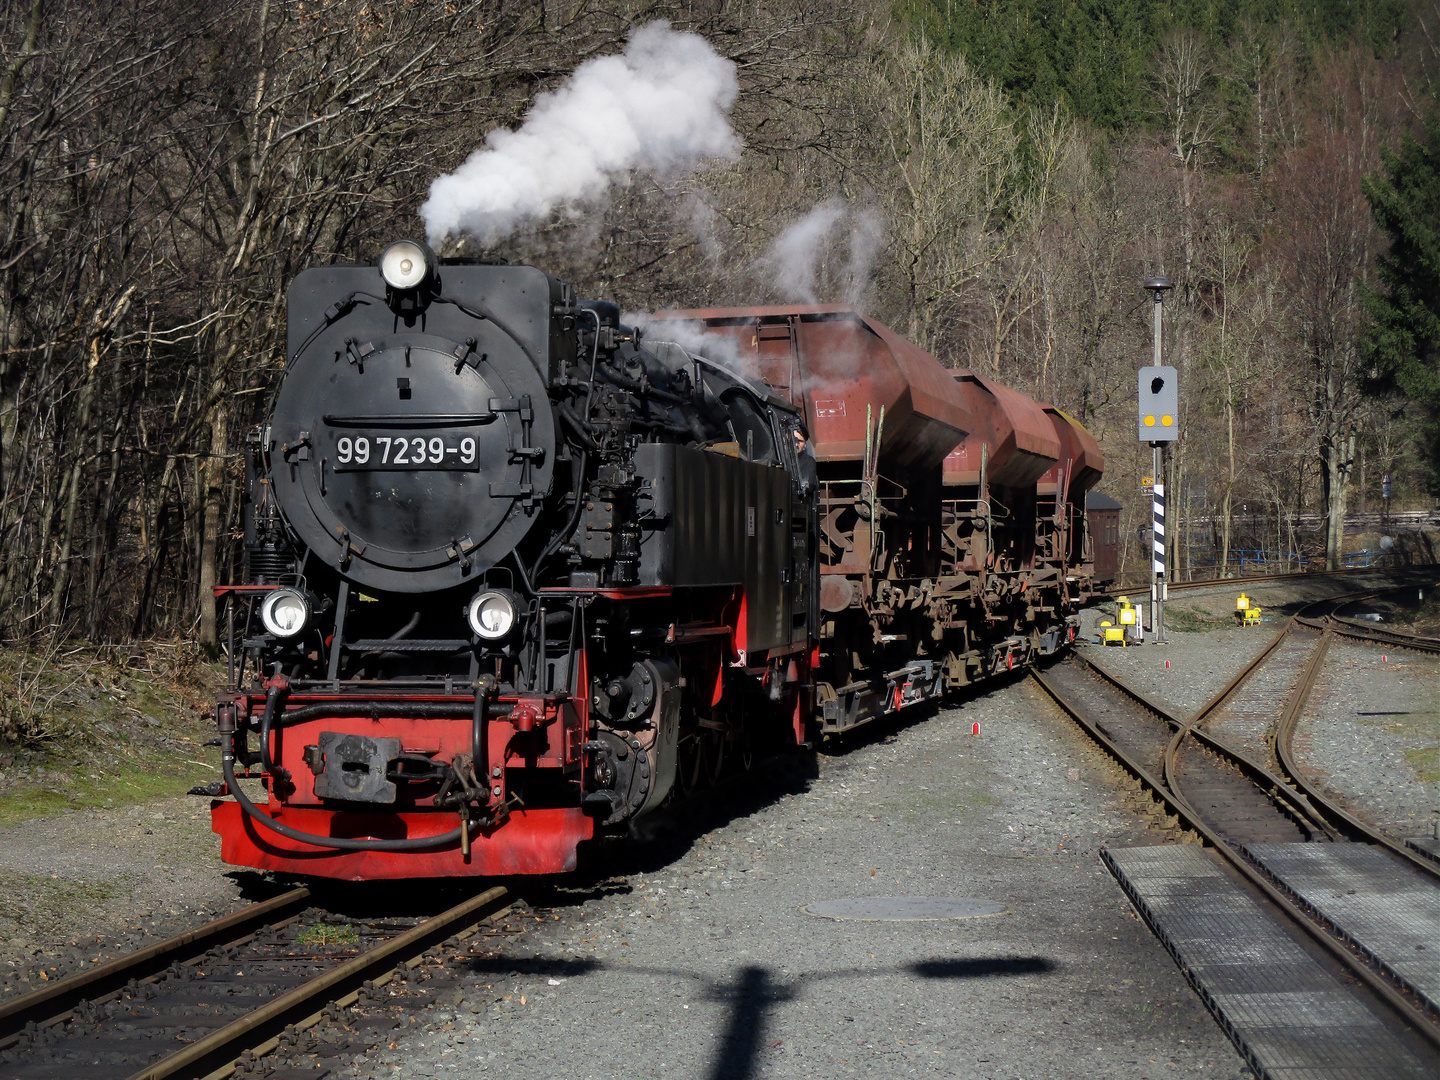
[(284, 613), (491, 615), (405, 265)]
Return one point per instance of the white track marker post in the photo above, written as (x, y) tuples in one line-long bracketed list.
[(1157, 542)]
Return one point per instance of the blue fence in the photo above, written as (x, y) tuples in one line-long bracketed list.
[(1257, 560)]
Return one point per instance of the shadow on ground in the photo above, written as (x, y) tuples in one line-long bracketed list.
[(753, 992)]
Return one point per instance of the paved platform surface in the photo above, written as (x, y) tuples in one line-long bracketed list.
[(1291, 1018), (1387, 909)]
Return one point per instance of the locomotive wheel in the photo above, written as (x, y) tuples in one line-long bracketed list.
[(745, 750), (738, 755), (690, 764), (714, 756)]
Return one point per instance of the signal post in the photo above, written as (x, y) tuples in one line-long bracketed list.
[(1159, 398)]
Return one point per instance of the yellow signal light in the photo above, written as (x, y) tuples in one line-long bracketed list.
[(1168, 421), (1149, 421)]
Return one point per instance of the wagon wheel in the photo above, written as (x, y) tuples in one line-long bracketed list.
[(714, 756), (690, 764)]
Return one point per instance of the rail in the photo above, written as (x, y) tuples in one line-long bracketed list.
[(53, 1004), (1291, 796), (257, 1032), (1258, 579)]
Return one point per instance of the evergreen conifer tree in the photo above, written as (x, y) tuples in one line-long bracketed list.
[(1403, 338)]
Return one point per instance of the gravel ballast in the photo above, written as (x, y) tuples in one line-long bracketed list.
[(1370, 735), (687, 952), (86, 886), (690, 955)]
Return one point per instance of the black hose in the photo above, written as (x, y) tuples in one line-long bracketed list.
[(404, 630), (577, 428), (524, 575), (479, 741), (639, 388), (398, 635), (594, 361), (569, 530), (340, 843), (271, 699)]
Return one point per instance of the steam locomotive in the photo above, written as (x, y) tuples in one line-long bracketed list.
[(517, 573)]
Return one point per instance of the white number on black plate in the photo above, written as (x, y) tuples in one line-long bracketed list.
[(433, 452)]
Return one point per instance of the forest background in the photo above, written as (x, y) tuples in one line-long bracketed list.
[(994, 178)]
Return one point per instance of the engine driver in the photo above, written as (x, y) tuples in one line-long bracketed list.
[(806, 457)]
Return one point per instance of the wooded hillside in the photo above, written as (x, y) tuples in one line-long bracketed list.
[(994, 179)]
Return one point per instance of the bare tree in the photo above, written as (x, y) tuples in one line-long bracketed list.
[(1327, 258), (954, 150)]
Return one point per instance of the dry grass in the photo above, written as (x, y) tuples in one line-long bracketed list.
[(63, 689), (87, 726)]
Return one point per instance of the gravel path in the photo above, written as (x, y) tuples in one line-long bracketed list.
[(1371, 736), (689, 954), (87, 885)]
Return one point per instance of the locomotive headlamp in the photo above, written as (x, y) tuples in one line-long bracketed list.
[(285, 613), (406, 264), (491, 614)]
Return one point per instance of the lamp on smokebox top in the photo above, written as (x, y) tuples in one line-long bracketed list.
[(410, 270)]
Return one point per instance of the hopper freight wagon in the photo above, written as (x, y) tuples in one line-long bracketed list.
[(951, 534)]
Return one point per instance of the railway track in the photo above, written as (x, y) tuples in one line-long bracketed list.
[(1358, 630), (209, 1002), (1143, 587), (1226, 777), (1338, 624)]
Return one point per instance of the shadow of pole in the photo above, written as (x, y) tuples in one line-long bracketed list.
[(755, 990), (749, 998)]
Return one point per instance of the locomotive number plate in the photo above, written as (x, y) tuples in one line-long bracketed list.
[(361, 451)]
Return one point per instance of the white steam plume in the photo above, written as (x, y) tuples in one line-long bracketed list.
[(663, 105), (799, 255), (717, 348), (795, 255), (867, 237)]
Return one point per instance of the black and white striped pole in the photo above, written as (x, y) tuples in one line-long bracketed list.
[(1159, 424)]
